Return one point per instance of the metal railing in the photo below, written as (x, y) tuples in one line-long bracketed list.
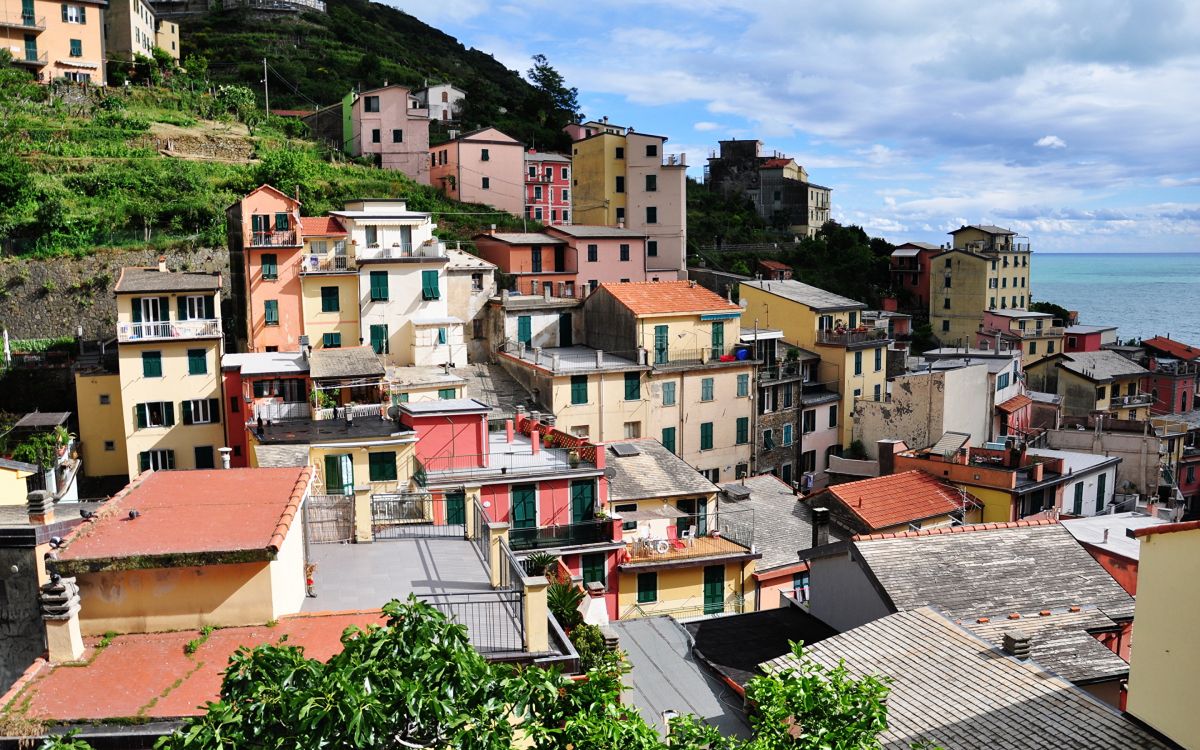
[(438, 468), (780, 371), (285, 238), (23, 21), (413, 515), (431, 249), (326, 263), (565, 535), (847, 338), (168, 329), (31, 57), (481, 538), (275, 411), (1138, 399), (354, 410), (724, 532), (495, 620), (672, 356), (512, 570)]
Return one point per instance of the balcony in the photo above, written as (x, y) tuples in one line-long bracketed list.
[(467, 466), (668, 535), (337, 262), (31, 57), (23, 21), (855, 337), (274, 239), (348, 412), (784, 371), (1130, 402), (566, 535), (708, 355), (160, 330), (402, 251)]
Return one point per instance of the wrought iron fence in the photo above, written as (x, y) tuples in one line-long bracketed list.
[(512, 571), (414, 515), (495, 620), (479, 526), (565, 535)]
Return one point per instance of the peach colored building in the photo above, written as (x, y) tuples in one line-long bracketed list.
[(539, 263), (265, 258), (483, 166), (55, 40), (606, 254), (391, 125)]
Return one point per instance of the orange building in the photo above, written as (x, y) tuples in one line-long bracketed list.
[(265, 258), (55, 40)]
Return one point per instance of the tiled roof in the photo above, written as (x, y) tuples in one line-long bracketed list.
[(134, 280), (774, 265), (348, 362), (1016, 403), (190, 513), (1101, 366), (952, 690), (892, 499), (920, 246), (543, 156), (1167, 529), (1176, 349), (991, 569), (653, 472), (320, 226), (664, 297), (806, 294), (460, 260), (1060, 640), (11, 465), (775, 163), (152, 676), (594, 230), (784, 521)]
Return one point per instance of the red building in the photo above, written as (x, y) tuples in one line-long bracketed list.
[(1088, 338), (910, 272), (1173, 371), (273, 386), (548, 188)]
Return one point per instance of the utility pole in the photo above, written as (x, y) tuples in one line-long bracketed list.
[(266, 90)]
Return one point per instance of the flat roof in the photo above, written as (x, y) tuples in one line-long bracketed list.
[(1108, 531), (414, 375), (597, 231), (267, 363), (317, 431), (577, 359), (784, 526), (521, 238), (1082, 330), (188, 513), (1016, 312), (806, 294), (445, 406), (1076, 462)]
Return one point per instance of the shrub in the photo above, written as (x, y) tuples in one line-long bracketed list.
[(589, 642), (564, 599)]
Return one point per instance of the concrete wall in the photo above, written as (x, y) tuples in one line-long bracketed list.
[(504, 168), (1138, 453), (345, 321), (100, 423), (669, 231), (923, 407), (411, 154), (404, 303), (842, 594), (22, 631), (1163, 668), (287, 571), (681, 591)]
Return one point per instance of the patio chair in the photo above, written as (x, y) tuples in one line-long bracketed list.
[(673, 538), (689, 535)]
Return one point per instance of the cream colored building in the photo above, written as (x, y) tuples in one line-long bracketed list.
[(1093, 382), (130, 29), (853, 356), (922, 406), (987, 269), (470, 283), (166, 37)]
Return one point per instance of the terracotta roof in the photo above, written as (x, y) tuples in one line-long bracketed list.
[(1166, 528), (320, 226), (187, 513), (882, 502), (655, 297), (774, 265), (1024, 522), (151, 676), (1172, 348), (775, 163), (1016, 403)]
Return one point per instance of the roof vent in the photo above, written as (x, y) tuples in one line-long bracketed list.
[(625, 449), (1016, 643)]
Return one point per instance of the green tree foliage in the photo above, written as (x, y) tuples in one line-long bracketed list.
[(1057, 311), (714, 219), (563, 600)]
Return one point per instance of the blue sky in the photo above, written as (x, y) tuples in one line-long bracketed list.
[(1074, 123)]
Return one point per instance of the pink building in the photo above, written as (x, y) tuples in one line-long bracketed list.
[(548, 187), (483, 166), (1088, 338), (539, 263), (388, 123), (605, 254)]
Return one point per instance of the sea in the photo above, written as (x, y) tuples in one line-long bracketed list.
[(1145, 294)]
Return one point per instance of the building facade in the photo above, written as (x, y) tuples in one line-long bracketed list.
[(987, 269), (57, 40), (483, 166), (547, 187), (1035, 335), (442, 100)]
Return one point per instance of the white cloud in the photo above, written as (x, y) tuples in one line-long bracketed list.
[(1050, 141), (705, 126)]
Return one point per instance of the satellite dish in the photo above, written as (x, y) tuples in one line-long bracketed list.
[(610, 473), (393, 412)]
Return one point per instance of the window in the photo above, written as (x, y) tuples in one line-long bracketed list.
[(397, 135), (1077, 506), (620, 215), (627, 508), (706, 389), (651, 215), (381, 466), (157, 460), (717, 338), (808, 422), (105, 399), (74, 14), (619, 153), (329, 299), (441, 336), (152, 364), (878, 359), (565, 175), (833, 416), (537, 213), (878, 391), (647, 587), (485, 183), (402, 398), (371, 104), (76, 48), (808, 460), (372, 236), (706, 436), (633, 386), (110, 445), (620, 184), (197, 362), (651, 149), (379, 338), (768, 440), (668, 438), (203, 456), (651, 183), (787, 395), (579, 389), (787, 434), (271, 312), (945, 326), (1033, 347), (668, 394), (201, 411), (624, 253), (535, 258), (155, 414), (197, 307), (593, 252), (592, 566), (633, 430), (743, 385), (947, 263), (447, 394), (1049, 347), (375, 135), (270, 267), (1072, 342), (743, 431), (800, 586), (1100, 498), (858, 363), (857, 393), (566, 196), (484, 155), (652, 248), (429, 285)]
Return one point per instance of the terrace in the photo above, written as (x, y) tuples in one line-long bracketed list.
[(856, 337), (334, 260), (665, 537), (168, 329), (521, 456)]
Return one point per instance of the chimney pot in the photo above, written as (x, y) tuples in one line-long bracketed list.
[(1015, 616), (983, 620), (1073, 608), (1016, 643), (162, 264), (820, 527), (1044, 613), (41, 507)]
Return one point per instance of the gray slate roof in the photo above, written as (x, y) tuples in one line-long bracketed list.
[(1062, 643), (494, 386), (267, 363), (784, 522), (1101, 366), (281, 456), (523, 238), (978, 571), (654, 472), (806, 294), (11, 465), (153, 280), (351, 362), (595, 230), (989, 228), (953, 690), (42, 419)]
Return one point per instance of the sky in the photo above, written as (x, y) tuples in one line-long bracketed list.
[(1076, 124)]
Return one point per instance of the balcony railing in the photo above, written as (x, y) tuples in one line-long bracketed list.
[(849, 338), (566, 535), (173, 329), (337, 262), (673, 357), (547, 460), (398, 250), (273, 239), (716, 534), (279, 411), (1138, 399), (355, 410), (23, 21), (31, 57), (783, 371)]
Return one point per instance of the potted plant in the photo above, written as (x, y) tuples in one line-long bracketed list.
[(573, 458)]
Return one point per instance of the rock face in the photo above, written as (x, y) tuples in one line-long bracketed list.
[(44, 298)]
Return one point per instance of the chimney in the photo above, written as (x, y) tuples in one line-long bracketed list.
[(621, 224), (59, 603), (492, 229), (508, 430), (887, 450), (535, 441), (820, 527), (41, 507), (599, 357), (1105, 539), (225, 454), (1016, 643), (162, 264)]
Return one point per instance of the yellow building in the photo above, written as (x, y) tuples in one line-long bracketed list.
[(624, 178), (853, 356), (167, 388), (1166, 659), (1089, 382), (329, 284), (660, 363), (13, 490), (987, 269), (1036, 335)]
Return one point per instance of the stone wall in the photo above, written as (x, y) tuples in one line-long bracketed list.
[(53, 297), (22, 635)]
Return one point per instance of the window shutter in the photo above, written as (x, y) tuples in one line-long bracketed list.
[(210, 307), (144, 456), (187, 412), (170, 459), (137, 309), (214, 410), (169, 413), (64, 12), (164, 308), (83, 14), (140, 412), (181, 307)]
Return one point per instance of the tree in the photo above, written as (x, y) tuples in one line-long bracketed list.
[(1057, 311), (562, 99)]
